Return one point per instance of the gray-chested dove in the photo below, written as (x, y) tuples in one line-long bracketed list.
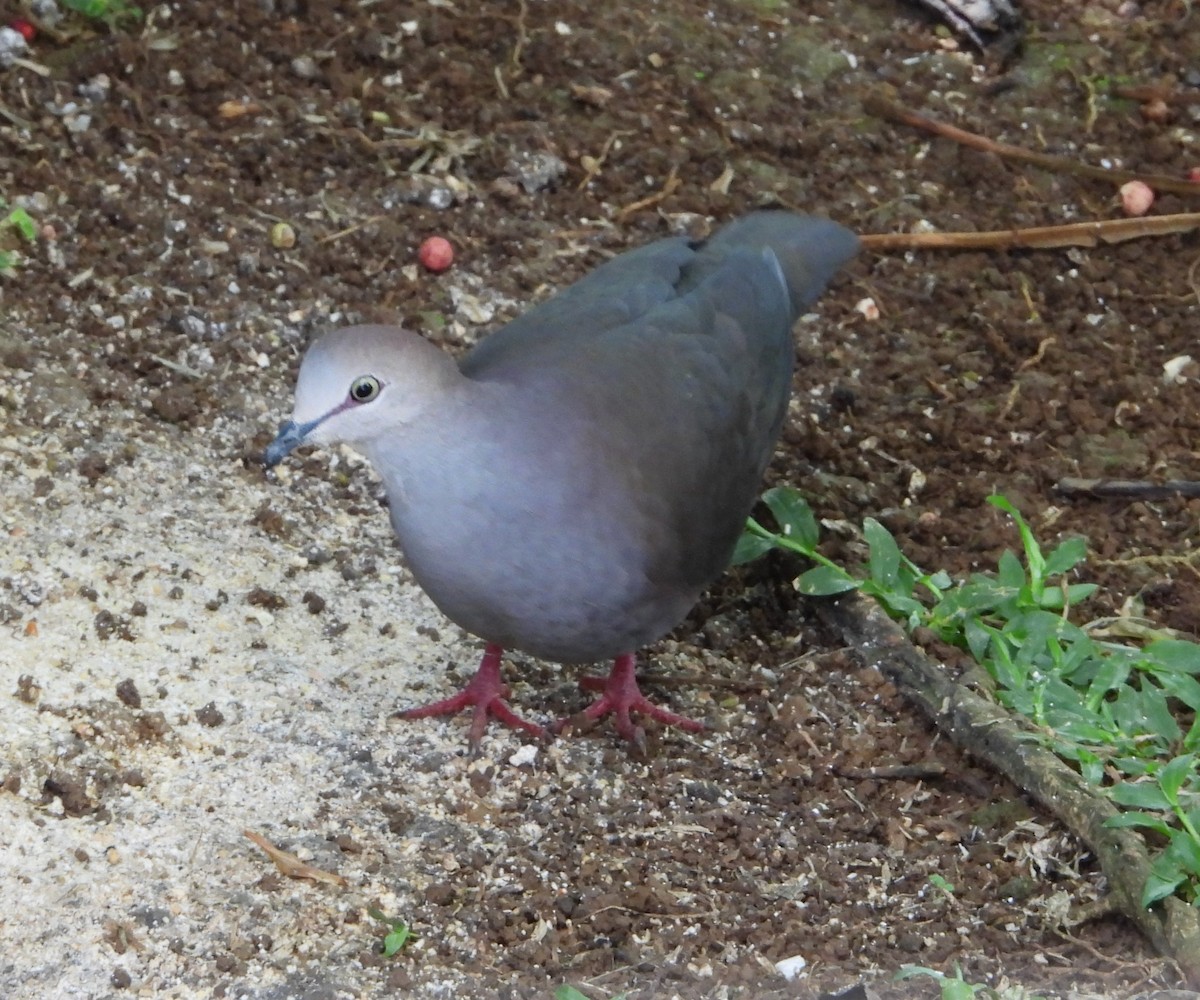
[(572, 484)]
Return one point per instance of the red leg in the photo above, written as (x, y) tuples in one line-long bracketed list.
[(621, 696), (486, 693)]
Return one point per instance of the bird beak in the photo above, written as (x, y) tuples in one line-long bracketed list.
[(291, 435)]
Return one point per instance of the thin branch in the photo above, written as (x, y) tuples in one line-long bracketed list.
[(1075, 234), (881, 107), (670, 186), (1128, 489)]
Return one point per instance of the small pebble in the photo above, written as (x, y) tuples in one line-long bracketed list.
[(283, 236), (304, 67), (12, 46), (436, 254), (1136, 197)]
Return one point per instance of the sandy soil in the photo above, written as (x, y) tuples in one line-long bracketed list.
[(192, 648)]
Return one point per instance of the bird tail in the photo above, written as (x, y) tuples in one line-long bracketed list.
[(808, 250)]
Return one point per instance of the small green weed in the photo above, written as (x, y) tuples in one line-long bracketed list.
[(398, 933), (945, 886), (1126, 715), (114, 13), (19, 221), (956, 987)]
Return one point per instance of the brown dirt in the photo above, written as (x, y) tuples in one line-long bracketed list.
[(697, 868)]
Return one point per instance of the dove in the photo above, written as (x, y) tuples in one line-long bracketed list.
[(572, 484)]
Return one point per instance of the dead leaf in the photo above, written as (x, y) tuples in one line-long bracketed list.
[(597, 97)]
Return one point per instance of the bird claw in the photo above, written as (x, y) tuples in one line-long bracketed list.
[(619, 697), (485, 694)]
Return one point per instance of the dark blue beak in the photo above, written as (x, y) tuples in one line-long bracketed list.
[(291, 435)]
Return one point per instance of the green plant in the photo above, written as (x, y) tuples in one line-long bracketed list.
[(398, 933), (114, 13), (1127, 716), (956, 987), (938, 882), (19, 221)]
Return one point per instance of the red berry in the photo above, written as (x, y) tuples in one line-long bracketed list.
[(436, 254), (26, 29), (1194, 175)]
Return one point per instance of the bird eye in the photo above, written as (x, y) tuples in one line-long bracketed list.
[(364, 389)]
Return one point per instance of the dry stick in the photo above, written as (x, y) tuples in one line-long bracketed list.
[(1128, 489), (292, 866), (990, 733), (1148, 92), (670, 185), (1075, 234), (881, 107)]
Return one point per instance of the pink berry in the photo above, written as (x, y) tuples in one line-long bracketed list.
[(436, 254), (1136, 198)]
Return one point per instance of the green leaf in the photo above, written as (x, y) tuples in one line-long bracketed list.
[(396, 938), (794, 516), (1077, 593), (1009, 571), (1138, 819), (1157, 716), (1033, 552), (941, 580), (1175, 654), (884, 562), (1185, 850), (979, 637), (825, 581), (1174, 775), (1139, 795), (1183, 687), (898, 605), (1067, 556), (750, 547), (1164, 878), (938, 882), (958, 989), (568, 992), (19, 219)]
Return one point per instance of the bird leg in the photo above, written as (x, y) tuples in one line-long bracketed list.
[(621, 696), (486, 693)]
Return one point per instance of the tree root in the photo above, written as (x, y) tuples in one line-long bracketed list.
[(990, 733)]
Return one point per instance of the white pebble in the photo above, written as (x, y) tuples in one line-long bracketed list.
[(526, 754), (790, 968)]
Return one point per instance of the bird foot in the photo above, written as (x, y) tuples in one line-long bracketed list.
[(485, 693), (619, 697)]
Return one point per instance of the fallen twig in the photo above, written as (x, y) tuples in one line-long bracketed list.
[(881, 107), (1144, 93), (292, 866), (670, 185), (984, 729), (1075, 234), (1128, 489)]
